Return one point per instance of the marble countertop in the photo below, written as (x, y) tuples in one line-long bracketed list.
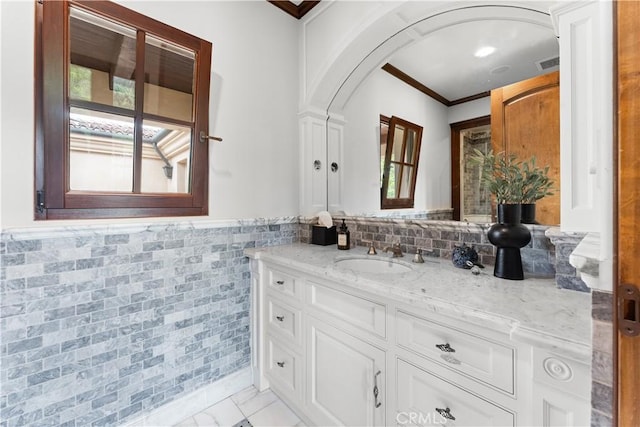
[(533, 310)]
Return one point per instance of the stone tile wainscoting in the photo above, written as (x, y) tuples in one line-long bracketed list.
[(437, 239), (602, 359), (100, 325)]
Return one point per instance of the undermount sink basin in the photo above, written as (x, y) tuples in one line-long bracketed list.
[(372, 265)]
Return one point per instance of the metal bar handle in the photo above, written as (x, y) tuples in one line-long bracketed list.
[(204, 137), (376, 391)]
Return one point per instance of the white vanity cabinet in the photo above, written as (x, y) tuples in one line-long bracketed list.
[(278, 314), (342, 374), (340, 355), (562, 390), (311, 349)]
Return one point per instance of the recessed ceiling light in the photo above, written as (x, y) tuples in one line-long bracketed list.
[(484, 51)]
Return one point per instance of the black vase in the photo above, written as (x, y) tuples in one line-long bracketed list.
[(509, 235), (528, 215)]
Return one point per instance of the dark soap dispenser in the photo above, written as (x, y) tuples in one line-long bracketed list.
[(344, 237)]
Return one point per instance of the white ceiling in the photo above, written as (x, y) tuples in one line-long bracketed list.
[(444, 60)]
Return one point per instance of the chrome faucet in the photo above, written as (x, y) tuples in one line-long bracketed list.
[(395, 250)]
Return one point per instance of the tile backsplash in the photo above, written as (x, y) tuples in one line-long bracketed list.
[(438, 238), (101, 325)]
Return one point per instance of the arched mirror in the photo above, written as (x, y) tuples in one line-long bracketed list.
[(442, 77)]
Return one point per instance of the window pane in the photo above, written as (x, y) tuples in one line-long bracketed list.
[(411, 143), (394, 182), (405, 188), (103, 60), (169, 86), (100, 151), (398, 138), (166, 158)]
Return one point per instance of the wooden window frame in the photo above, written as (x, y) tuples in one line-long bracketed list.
[(53, 199), (407, 202)]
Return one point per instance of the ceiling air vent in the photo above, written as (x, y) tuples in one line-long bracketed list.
[(549, 63)]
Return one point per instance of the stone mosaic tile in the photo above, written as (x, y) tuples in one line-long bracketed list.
[(103, 324)]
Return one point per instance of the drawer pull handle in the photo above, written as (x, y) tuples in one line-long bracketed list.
[(281, 364), (280, 282), (376, 391), (280, 318), (446, 348), (446, 413)]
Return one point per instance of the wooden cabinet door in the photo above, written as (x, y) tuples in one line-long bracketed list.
[(341, 376), (525, 121)]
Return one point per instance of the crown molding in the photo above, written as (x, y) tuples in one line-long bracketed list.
[(401, 75), (297, 11)]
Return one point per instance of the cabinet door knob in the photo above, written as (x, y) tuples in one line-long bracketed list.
[(279, 282), (376, 391), (280, 318), (281, 364), (446, 348)]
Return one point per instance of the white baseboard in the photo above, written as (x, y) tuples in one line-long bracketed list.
[(175, 411)]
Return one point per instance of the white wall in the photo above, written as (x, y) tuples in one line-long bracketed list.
[(254, 90), (470, 110), (384, 94)]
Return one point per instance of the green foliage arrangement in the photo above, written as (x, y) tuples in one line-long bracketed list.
[(536, 183), (512, 181)]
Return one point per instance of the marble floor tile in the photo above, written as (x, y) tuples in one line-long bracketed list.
[(189, 422), (276, 414), (222, 414), (225, 413), (250, 400), (248, 408)]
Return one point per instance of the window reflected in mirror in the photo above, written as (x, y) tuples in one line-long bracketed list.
[(475, 199), (470, 200), (399, 155)]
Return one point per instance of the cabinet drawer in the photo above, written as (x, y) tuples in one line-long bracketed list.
[(483, 360), (425, 399), (360, 312), (283, 283), (283, 320), (284, 368)]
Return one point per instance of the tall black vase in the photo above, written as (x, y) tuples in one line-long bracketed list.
[(509, 235), (528, 215)]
